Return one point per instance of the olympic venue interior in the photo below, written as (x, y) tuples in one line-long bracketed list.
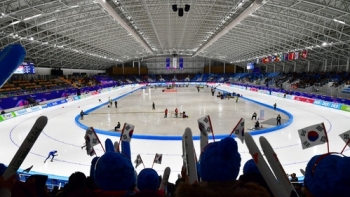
[(294, 53)]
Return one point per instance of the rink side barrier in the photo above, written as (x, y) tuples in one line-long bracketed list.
[(104, 132), (179, 137), (267, 130), (24, 111), (323, 103)]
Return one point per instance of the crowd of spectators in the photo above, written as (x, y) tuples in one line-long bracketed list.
[(31, 86), (113, 175), (82, 81)]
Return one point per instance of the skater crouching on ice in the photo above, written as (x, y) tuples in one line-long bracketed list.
[(51, 154)]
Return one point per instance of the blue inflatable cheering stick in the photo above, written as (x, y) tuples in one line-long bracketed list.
[(10, 58)]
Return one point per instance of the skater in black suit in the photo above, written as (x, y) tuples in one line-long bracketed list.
[(254, 116), (117, 127), (278, 120)]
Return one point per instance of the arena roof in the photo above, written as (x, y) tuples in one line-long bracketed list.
[(96, 34)]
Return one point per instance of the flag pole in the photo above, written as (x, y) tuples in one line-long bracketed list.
[(235, 127), (211, 127), (98, 139), (143, 163), (94, 151), (325, 132), (345, 146), (154, 160), (121, 135)]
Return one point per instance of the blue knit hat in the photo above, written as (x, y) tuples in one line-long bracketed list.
[(328, 175), (148, 179), (220, 161), (2, 169), (114, 171), (250, 167), (92, 167)]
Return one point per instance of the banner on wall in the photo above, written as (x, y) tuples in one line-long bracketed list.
[(181, 63), (174, 62), (291, 56), (167, 63), (345, 108), (8, 115)]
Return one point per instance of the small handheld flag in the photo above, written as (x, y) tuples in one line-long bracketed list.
[(346, 138), (158, 158), (138, 161), (91, 140), (28, 169), (127, 132), (205, 126), (313, 135)]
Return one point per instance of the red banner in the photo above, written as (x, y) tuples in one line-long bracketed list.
[(304, 54), (253, 89), (291, 56), (303, 99)]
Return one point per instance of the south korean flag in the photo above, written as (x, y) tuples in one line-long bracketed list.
[(313, 135), (346, 137), (91, 140), (158, 158), (204, 125), (127, 132), (138, 161)]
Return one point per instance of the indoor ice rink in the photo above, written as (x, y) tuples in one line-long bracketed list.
[(135, 107)]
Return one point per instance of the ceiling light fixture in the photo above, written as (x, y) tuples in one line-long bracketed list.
[(338, 21), (15, 22), (174, 7), (32, 17), (187, 8), (181, 10)]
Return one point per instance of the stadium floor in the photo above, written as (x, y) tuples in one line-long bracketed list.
[(63, 134)]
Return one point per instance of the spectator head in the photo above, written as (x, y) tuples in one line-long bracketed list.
[(92, 167), (293, 175), (148, 179), (114, 172), (250, 167), (2, 169), (222, 156), (328, 175), (77, 181)]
